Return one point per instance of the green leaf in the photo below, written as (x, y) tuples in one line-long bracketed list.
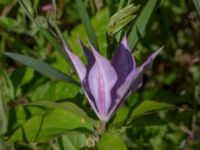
[(121, 3), (162, 118), (148, 106), (126, 116), (41, 67), (72, 142), (148, 120), (86, 22), (197, 5), (6, 94), (5, 2), (45, 33), (99, 21), (141, 22), (18, 115), (21, 76), (65, 143), (53, 91), (7, 86), (29, 7), (120, 117), (53, 41), (7, 22), (13, 24), (51, 125), (121, 19), (69, 106), (111, 141)]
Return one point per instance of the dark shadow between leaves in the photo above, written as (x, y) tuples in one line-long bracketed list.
[(40, 128), (81, 130), (24, 134)]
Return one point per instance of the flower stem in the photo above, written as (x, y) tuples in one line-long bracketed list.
[(102, 127)]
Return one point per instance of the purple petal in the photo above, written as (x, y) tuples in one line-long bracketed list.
[(78, 65), (101, 78), (89, 55), (123, 62), (133, 81), (91, 60), (150, 59), (89, 96)]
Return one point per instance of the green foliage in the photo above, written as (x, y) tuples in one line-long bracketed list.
[(35, 110), (100, 23), (42, 67), (55, 123), (4, 2), (121, 19), (113, 140), (141, 22), (53, 91), (149, 106), (197, 5), (61, 105), (127, 116), (72, 141), (86, 22)]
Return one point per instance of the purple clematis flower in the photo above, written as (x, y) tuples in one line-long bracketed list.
[(108, 84)]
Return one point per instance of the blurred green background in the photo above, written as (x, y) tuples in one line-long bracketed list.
[(174, 77)]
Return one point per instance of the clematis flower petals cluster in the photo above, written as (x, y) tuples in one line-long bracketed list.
[(107, 84)]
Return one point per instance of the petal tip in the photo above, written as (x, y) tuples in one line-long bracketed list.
[(154, 55), (124, 42)]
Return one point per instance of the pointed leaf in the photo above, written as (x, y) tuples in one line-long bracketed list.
[(41, 67), (197, 5), (141, 22), (86, 22), (155, 119), (53, 41), (149, 106)]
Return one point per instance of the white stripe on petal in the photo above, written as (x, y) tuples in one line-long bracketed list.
[(77, 63), (102, 77)]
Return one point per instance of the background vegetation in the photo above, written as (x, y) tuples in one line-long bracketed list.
[(29, 98)]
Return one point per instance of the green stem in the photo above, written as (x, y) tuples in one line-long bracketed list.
[(102, 127)]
